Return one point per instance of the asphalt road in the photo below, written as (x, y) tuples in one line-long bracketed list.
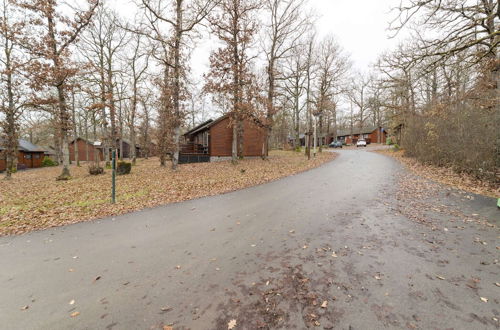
[(267, 257)]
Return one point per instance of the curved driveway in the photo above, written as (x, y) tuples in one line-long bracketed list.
[(268, 257)]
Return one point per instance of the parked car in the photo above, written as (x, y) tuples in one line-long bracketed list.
[(335, 144), (361, 143)]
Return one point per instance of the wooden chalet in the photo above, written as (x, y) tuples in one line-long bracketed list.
[(370, 134), (87, 150), (29, 155), (212, 140)]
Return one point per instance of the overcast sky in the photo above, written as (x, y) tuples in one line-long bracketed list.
[(360, 26)]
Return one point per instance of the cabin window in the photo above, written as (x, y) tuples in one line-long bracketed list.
[(36, 156), (27, 156), (205, 139)]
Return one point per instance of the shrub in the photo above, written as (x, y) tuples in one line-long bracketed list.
[(95, 169), (395, 147), (123, 168), (389, 141), (47, 162)]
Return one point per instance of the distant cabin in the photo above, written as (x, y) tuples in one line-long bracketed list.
[(96, 149), (212, 140), (87, 150), (370, 134), (29, 155)]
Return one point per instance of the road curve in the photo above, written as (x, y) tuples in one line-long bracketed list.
[(269, 256)]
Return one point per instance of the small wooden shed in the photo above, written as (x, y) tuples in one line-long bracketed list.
[(29, 155), (212, 140), (87, 150)]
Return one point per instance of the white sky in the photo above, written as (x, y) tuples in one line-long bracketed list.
[(360, 26)]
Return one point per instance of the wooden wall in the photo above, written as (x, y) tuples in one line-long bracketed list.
[(221, 137), (25, 160), (82, 152)]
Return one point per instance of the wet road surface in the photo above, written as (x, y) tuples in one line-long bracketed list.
[(358, 243)]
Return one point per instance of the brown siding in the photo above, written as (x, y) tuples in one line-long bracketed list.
[(25, 160), (82, 152), (374, 136), (221, 137), (253, 139), (29, 159)]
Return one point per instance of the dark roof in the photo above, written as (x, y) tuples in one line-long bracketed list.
[(26, 146), (87, 141), (356, 130), (209, 123), (200, 127)]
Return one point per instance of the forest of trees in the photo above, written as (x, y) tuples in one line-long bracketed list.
[(87, 71)]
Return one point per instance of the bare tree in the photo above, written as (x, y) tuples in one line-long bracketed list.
[(287, 24), (49, 40), (187, 15), (11, 105), (235, 25), (332, 68), (359, 96), (138, 63), (293, 85)]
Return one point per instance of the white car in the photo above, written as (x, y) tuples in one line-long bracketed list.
[(361, 143)]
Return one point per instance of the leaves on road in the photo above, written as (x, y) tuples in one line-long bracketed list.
[(75, 314), (231, 324), (484, 299)]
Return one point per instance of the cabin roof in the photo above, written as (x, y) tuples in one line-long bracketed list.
[(355, 131), (25, 146), (209, 123)]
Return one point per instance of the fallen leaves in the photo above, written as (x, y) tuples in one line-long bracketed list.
[(75, 314), (483, 299), (440, 277), (34, 200), (72, 302), (445, 175), (25, 307), (324, 304), (231, 324)]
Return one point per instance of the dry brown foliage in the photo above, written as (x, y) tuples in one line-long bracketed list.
[(33, 200), (445, 175)]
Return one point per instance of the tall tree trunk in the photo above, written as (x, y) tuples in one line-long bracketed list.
[(177, 84), (63, 124), (10, 126), (75, 133)]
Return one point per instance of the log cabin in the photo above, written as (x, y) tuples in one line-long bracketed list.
[(87, 150), (29, 155), (370, 134), (212, 140)]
